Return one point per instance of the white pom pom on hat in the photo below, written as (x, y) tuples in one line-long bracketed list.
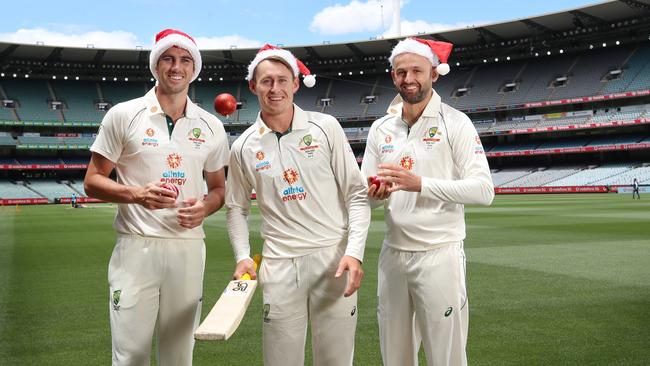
[(296, 65), (435, 51), (169, 38)]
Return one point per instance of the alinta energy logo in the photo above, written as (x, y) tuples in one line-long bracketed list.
[(149, 139), (261, 164), (293, 192), (174, 176), (387, 148), (407, 162)]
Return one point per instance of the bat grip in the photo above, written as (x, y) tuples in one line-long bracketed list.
[(257, 258)]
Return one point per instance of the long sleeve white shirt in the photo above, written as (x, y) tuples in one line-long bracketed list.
[(309, 189), (443, 148)]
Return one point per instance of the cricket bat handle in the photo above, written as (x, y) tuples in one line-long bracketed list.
[(257, 259)]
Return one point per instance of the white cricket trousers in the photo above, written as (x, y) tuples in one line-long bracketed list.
[(151, 281), (422, 297), (298, 290)]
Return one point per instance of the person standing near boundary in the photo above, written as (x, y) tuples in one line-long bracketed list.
[(430, 162), (315, 217), (635, 189), (163, 147)]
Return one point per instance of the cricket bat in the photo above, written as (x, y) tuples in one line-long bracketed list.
[(224, 317)]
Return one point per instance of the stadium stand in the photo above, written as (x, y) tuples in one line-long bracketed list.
[(51, 189), (541, 177), (80, 98), (16, 190)]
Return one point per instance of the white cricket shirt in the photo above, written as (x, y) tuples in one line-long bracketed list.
[(309, 189), (134, 135), (443, 148)]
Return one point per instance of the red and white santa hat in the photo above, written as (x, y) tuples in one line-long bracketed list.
[(297, 66), (436, 52), (169, 38)]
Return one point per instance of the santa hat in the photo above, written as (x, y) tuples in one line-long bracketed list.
[(436, 52), (169, 38), (269, 51)]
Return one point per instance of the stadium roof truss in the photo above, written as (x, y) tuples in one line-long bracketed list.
[(623, 20)]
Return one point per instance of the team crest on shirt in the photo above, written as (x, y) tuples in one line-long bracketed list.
[(407, 162), (196, 136), (262, 164), (174, 175), (294, 192), (149, 139), (431, 137), (308, 145)]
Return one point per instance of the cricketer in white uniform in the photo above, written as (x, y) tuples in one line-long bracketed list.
[(156, 270), (430, 161), (315, 212)]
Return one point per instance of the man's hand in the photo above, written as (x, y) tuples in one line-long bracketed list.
[(245, 266), (355, 273), (192, 213), (375, 192), (400, 178), (154, 197)]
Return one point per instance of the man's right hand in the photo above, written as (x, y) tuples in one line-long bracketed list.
[(154, 197), (245, 266), (378, 193)]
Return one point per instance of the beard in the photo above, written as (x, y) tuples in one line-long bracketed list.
[(414, 98)]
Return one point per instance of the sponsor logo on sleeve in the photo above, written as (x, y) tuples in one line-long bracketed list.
[(478, 148)]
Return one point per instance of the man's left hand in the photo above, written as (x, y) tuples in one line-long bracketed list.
[(401, 179), (192, 213), (355, 273)]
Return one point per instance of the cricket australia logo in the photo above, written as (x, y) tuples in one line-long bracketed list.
[(431, 137), (174, 160), (407, 163), (116, 299), (308, 145), (196, 136)]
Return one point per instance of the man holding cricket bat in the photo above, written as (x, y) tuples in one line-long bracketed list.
[(315, 214), (163, 147)]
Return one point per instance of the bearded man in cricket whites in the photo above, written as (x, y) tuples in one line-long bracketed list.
[(315, 215), (430, 162), (163, 147)]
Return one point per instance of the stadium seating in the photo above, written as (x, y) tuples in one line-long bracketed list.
[(80, 98), (13, 190), (51, 189), (541, 177), (32, 98)]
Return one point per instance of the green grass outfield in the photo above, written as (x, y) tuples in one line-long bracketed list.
[(552, 279)]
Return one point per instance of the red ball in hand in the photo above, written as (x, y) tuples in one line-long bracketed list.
[(375, 181), (225, 104), (171, 187)]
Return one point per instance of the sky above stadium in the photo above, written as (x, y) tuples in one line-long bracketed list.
[(219, 24)]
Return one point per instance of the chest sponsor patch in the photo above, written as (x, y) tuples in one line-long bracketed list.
[(149, 138), (431, 137), (407, 162), (175, 175), (295, 192), (261, 163)]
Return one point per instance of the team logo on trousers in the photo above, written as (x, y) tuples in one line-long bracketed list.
[(266, 311), (116, 299)]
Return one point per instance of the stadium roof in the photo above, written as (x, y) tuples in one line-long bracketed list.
[(625, 20)]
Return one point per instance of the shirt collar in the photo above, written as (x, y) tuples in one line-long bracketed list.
[(299, 122), (153, 106)]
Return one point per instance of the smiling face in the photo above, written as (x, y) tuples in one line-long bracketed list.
[(175, 68), (413, 76), (274, 84)]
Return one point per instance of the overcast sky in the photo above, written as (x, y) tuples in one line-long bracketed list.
[(249, 24)]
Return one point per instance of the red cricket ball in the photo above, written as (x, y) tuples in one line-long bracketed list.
[(375, 181), (171, 187), (225, 104)]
